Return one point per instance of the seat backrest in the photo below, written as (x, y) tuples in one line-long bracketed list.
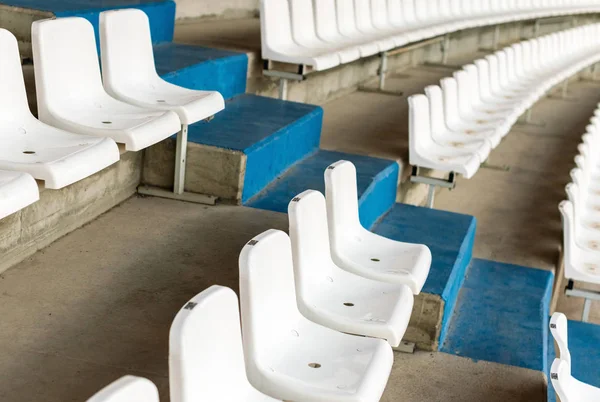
[(463, 91), (67, 69), (326, 20), (569, 242), (408, 10), (341, 196), (267, 297), (128, 389), (275, 24), (13, 96), (303, 22), (560, 375), (451, 107), (126, 45), (419, 127), (436, 109), (380, 14), (559, 330), (473, 77), (346, 17), (206, 359), (309, 234), (362, 12), (483, 72), (396, 13)]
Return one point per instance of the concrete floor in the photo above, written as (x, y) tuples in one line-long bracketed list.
[(98, 304)]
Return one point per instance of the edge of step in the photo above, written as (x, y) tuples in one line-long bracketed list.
[(377, 181), (493, 295), (451, 255), (202, 68)]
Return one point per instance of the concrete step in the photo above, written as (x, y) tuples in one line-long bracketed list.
[(502, 315), (377, 183), (246, 146), (450, 237), (584, 339), (19, 15)]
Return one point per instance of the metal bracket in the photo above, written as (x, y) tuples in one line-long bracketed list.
[(587, 295), (405, 347), (284, 76), (432, 182)]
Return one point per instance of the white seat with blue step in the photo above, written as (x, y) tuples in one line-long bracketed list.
[(129, 74), (70, 93), (17, 191), (57, 157), (360, 251), (289, 356), (206, 359), (568, 388), (128, 389), (333, 297)]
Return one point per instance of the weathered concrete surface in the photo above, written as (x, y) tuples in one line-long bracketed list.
[(217, 9), (61, 211), (209, 170), (425, 322), (439, 377), (98, 304)]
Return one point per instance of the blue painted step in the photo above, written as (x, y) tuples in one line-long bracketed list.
[(449, 236), (377, 183), (160, 12), (584, 342), (197, 67), (271, 133), (502, 315)]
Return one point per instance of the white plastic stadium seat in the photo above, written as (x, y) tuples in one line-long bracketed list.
[(383, 25), (129, 73), (206, 359), (361, 251), (559, 330), (425, 152), (290, 357), (335, 298), (128, 389), (580, 264), (17, 191), (70, 94), (57, 157), (568, 388), (483, 100), (278, 43)]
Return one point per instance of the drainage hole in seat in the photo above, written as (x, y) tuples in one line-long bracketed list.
[(107, 122), (160, 101), (349, 304), (29, 152), (375, 259), (314, 365)]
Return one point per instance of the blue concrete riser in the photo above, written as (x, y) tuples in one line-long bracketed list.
[(201, 68), (502, 315)]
